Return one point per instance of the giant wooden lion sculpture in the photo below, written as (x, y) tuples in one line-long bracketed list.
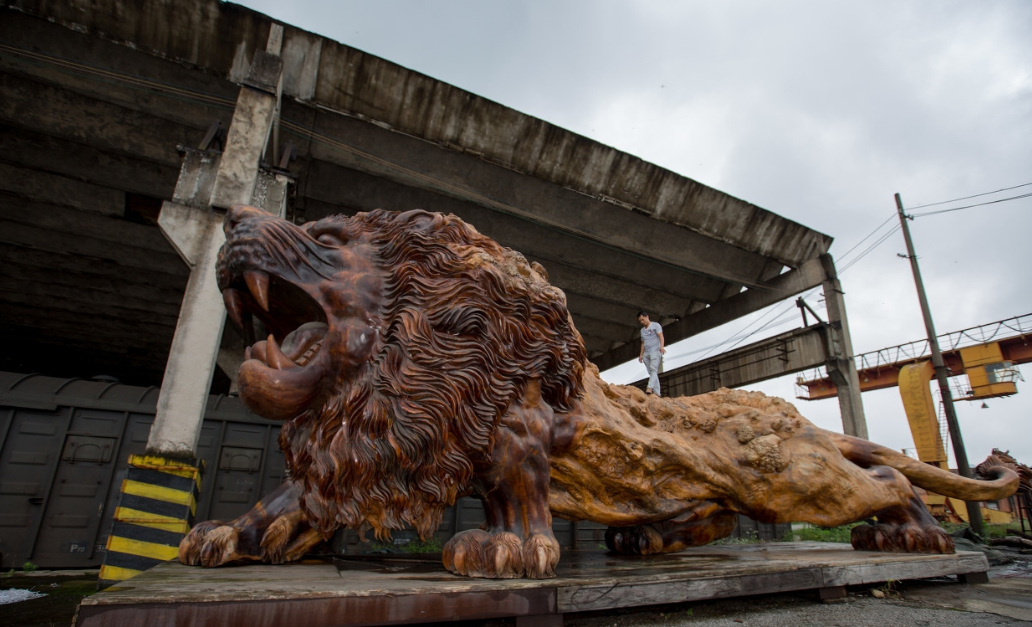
[(414, 361)]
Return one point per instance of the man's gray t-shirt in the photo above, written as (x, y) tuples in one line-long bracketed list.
[(650, 337)]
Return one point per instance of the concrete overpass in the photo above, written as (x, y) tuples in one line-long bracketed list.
[(98, 95)]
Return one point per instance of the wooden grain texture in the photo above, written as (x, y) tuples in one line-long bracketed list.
[(365, 589), (415, 360)]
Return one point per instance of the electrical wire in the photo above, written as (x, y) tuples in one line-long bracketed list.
[(881, 240), (855, 246), (780, 313), (946, 202), (981, 204)]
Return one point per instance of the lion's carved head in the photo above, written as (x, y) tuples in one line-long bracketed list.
[(396, 340)]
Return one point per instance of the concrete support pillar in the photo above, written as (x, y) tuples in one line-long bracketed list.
[(208, 185), (197, 236), (840, 365)]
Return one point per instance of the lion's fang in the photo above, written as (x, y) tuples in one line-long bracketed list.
[(275, 357), (258, 282), (234, 307)]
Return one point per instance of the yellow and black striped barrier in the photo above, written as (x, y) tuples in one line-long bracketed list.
[(155, 511)]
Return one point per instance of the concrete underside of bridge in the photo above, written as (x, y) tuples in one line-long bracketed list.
[(97, 96)]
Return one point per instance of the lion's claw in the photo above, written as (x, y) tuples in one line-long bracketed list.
[(905, 538), (503, 555), (220, 547), (638, 540), (192, 545)]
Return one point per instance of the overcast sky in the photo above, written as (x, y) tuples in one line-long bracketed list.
[(818, 111)]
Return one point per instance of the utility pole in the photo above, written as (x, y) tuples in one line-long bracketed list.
[(941, 373)]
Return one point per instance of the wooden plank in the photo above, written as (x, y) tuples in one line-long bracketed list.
[(677, 590), (364, 589), (917, 567)]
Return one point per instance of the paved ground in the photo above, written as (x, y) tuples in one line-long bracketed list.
[(1005, 600)]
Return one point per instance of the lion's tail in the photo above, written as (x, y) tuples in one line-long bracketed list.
[(866, 454)]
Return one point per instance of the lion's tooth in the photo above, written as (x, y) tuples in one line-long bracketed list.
[(275, 357), (258, 282), (234, 306)]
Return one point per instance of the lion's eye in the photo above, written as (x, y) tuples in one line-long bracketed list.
[(330, 240)]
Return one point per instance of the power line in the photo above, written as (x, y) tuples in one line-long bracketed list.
[(944, 202), (891, 217), (991, 202), (870, 248)]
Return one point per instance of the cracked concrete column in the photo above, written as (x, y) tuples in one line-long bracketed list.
[(208, 185), (841, 366)]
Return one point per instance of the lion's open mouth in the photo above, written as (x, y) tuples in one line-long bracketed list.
[(295, 322)]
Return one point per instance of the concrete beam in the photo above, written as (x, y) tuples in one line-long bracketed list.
[(108, 287), (406, 160), (59, 190), (774, 357), (33, 289), (82, 162), (87, 269), (127, 257), (85, 119), (806, 276), (617, 313), (364, 192), (610, 289)]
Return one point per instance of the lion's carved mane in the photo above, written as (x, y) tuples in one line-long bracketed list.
[(450, 362)]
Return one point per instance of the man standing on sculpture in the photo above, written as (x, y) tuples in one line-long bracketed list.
[(652, 350)]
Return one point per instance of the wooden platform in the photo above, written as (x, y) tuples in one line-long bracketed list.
[(370, 590)]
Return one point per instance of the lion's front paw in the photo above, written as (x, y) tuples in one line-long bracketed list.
[(191, 546), (503, 555), (278, 537), (901, 539), (220, 547), (639, 540)]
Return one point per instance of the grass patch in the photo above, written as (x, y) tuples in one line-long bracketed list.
[(749, 538), (823, 534), (991, 530)]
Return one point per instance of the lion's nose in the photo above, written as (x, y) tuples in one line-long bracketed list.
[(239, 213)]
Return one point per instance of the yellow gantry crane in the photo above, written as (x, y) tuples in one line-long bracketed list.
[(988, 355)]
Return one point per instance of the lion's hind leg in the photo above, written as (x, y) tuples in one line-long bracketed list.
[(882, 492), (670, 536), (907, 529)]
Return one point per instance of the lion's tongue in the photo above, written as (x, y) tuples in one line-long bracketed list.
[(301, 338)]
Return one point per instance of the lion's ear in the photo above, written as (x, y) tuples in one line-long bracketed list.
[(540, 269)]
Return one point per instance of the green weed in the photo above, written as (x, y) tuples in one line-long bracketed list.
[(824, 534)]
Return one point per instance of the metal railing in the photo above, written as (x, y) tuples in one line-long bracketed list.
[(918, 350)]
